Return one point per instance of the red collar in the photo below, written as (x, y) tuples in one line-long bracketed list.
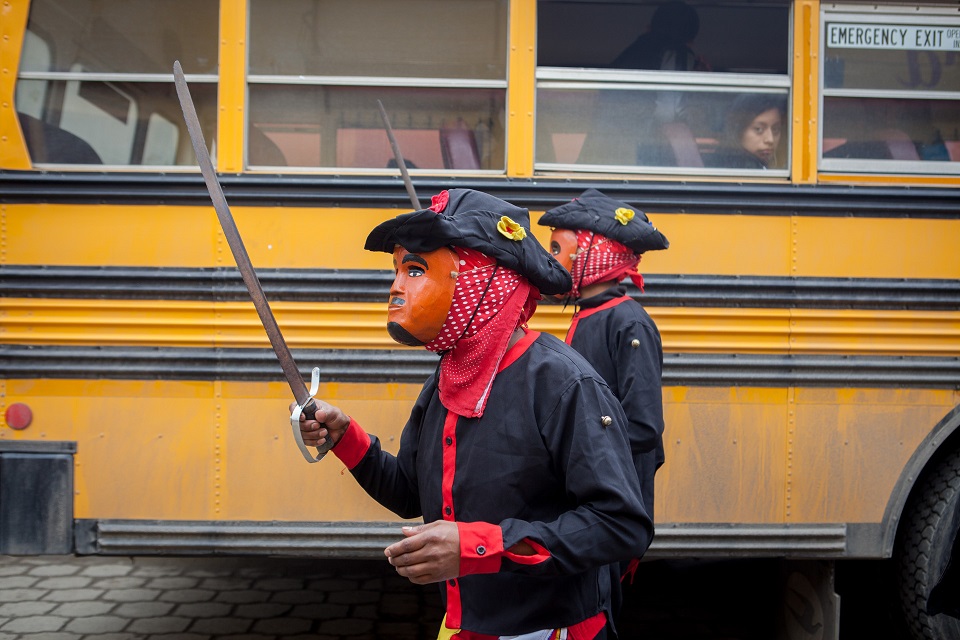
[(518, 349), (583, 313)]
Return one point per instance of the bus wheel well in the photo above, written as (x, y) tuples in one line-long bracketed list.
[(930, 522)]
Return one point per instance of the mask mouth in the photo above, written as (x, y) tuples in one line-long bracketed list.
[(397, 302), (401, 335)]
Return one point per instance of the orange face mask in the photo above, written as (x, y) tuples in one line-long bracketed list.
[(421, 294), (563, 246)]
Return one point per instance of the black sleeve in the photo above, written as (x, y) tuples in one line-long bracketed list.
[(606, 521), (639, 383)]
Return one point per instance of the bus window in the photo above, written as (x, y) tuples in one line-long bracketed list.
[(103, 114), (890, 90), (318, 67), (610, 98), (160, 144), (31, 94), (95, 78), (609, 129)]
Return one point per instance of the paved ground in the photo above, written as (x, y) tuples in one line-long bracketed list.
[(162, 598), (68, 598)]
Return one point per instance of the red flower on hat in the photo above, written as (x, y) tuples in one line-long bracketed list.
[(439, 202)]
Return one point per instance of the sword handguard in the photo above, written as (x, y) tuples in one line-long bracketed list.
[(309, 409)]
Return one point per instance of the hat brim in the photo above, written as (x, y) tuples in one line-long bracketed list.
[(424, 230), (594, 211)]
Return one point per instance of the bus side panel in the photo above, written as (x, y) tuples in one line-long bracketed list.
[(204, 450), (803, 455), (724, 455), (264, 475), (851, 446)]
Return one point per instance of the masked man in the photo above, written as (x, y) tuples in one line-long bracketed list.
[(515, 454), (600, 241)]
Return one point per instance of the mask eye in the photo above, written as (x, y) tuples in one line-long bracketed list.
[(555, 248), (415, 271)]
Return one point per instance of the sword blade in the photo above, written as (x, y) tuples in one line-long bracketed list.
[(287, 363), (407, 182)]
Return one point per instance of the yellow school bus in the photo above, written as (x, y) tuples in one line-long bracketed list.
[(809, 306)]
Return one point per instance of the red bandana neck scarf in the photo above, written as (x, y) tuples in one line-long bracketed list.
[(489, 302), (599, 259)]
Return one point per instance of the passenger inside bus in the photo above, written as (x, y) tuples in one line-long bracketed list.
[(753, 131), (666, 45)]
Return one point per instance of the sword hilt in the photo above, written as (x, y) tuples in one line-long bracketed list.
[(309, 410)]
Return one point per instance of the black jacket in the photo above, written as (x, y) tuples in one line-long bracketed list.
[(548, 462)]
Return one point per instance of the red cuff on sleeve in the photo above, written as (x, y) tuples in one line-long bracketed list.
[(353, 445), (481, 547), (541, 555)]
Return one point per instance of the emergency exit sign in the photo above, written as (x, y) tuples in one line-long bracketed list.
[(848, 35)]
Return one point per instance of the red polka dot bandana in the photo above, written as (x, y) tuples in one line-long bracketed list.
[(599, 259), (489, 302)]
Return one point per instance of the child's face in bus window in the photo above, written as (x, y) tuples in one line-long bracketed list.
[(421, 294), (762, 135)]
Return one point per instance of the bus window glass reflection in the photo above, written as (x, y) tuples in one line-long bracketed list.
[(95, 78), (318, 67), (644, 86)]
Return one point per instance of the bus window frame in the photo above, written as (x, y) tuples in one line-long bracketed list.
[(573, 79), (87, 76), (352, 80), (404, 82), (880, 14)]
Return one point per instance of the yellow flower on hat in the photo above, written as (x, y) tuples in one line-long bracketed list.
[(624, 215), (511, 229)]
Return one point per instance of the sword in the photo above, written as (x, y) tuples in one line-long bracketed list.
[(399, 158), (305, 402)]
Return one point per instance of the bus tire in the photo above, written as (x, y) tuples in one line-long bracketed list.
[(928, 529)]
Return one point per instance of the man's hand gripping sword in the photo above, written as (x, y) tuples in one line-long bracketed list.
[(305, 401)]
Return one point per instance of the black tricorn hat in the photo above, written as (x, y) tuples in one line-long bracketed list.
[(470, 219), (616, 220)]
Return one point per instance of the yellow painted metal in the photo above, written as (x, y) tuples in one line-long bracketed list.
[(876, 248), (852, 444), (223, 450), (932, 333), (880, 179), (805, 88), (172, 236), (721, 245), (191, 324), (521, 77), (157, 235), (231, 100), (724, 455), (739, 456), (40, 321), (13, 24), (202, 450)]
